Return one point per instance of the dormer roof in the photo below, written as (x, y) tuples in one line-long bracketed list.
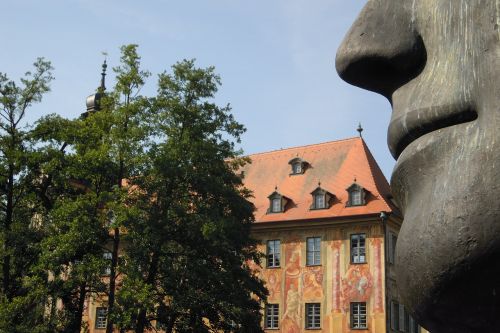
[(335, 163)]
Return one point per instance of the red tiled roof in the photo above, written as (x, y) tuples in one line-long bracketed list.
[(335, 164)]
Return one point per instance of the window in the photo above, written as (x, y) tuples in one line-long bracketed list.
[(313, 249), (313, 315), (356, 198), (414, 328), (101, 314), (394, 316), (321, 198), (402, 317), (276, 206), (319, 201), (272, 315), (107, 256), (358, 315), (391, 244), (401, 320), (296, 168), (277, 202), (273, 253), (358, 251), (356, 195)]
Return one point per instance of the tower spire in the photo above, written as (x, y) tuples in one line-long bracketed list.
[(103, 73), (94, 101)]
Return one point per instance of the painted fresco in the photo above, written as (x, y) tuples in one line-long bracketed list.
[(273, 284), (312, 280), (335, 284), (291, 322), (356, 285)]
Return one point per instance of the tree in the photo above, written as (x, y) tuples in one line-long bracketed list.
[(187, 252), (144, 190), (126, 139), (105, 149), (76, 183), (19, 236)]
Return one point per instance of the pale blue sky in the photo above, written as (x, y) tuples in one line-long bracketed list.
[(276, 59)]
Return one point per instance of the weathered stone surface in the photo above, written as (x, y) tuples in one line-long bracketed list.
[(438, 62)]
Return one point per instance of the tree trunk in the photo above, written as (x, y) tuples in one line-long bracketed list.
[(114, 259), (76, 324), (153, 269), (170, 326), (9, 210), (112, 279)]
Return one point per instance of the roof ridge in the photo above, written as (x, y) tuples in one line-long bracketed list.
[(371, 160), (304, 146)]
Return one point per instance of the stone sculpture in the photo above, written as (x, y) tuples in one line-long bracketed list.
[(438, 63)]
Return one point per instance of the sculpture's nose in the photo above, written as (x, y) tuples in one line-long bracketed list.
[(382, 50)]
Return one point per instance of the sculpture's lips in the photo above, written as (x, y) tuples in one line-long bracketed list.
[(411, 125)]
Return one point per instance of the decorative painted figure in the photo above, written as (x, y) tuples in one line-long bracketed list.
[(438, 63), (291, 318), (312, 281)]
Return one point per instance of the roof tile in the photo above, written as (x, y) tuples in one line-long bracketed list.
[(336, 164)]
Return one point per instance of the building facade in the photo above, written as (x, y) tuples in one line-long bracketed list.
[(327, 226)]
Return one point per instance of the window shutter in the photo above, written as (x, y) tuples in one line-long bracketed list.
[(402, 325), (391, 314)]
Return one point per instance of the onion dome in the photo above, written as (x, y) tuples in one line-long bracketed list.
[(94, 101)]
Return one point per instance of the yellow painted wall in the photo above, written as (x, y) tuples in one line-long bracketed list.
[(333, 284)]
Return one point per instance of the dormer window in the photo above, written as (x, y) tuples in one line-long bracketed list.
[(298, 166), (319, 201), (321, 198), (277, 202), (276, 205), (357, 195)]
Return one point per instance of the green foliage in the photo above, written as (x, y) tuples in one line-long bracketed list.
[(151, 179), (20, 235), (192, 239)]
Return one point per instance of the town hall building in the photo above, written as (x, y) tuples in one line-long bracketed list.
[(327, 224)]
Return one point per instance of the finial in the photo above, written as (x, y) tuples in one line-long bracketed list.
[(360, 129), (319, 183), (354, 178), (103, 74)]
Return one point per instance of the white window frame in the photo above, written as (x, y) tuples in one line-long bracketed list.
[(276, 205), (358, 252), (359, 318), (273, 253), (313, 316), (356, 197), (101, 317), (272, 316), (320, 201), (313, 251), (296, 168), (108, 257)]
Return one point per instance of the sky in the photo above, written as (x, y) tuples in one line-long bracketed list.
[(276, 59)]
